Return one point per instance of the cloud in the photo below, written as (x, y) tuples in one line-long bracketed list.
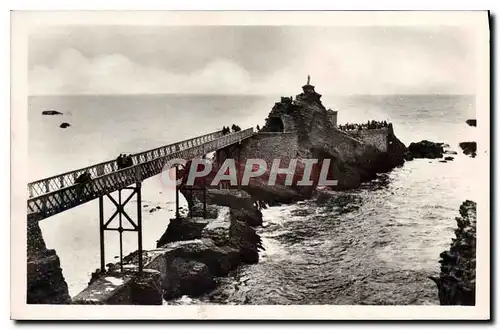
[(340, 61), (74, 73)]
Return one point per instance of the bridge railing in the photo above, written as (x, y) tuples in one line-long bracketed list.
[(57, 182), (65, 198)]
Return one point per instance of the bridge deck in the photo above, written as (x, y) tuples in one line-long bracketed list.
[(59, 193)]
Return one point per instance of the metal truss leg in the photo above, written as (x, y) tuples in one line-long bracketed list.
[(101, 233), (120, 212)]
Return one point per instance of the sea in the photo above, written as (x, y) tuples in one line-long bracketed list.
[(373, 245)]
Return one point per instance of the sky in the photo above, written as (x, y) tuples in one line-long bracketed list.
[(251, 60)]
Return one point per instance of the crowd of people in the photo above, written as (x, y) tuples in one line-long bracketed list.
[(124, 161), (234, 128), (371, 124)]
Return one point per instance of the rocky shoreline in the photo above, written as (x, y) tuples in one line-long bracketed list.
[(189, 257), (457, 281)]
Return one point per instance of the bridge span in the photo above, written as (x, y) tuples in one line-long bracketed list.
[(60, 193)]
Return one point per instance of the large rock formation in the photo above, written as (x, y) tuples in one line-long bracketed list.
[(303, 128), (425, 149), (45, 281), (457, 280)]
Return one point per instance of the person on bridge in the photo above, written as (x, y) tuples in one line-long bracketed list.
[(128, 161), (83, 178), (120, 161), (80, 181)]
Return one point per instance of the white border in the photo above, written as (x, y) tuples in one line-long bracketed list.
[(22, 21)]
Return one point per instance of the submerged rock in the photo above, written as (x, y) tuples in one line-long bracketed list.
[(469, 148), (457, 280), (64, 125), (425, 149), (448, 158)]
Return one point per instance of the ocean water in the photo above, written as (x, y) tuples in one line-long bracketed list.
[(378, 248)]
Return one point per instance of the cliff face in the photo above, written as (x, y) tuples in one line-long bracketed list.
[(45, 281), (457, 280)]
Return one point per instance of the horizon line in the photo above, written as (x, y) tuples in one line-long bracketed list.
[(248, 94)]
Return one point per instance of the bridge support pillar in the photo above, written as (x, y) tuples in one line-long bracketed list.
[(121, 214)]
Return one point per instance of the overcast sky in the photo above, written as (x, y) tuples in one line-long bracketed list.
[(251, 60)]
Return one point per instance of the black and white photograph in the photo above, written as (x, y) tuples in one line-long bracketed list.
[(293, 160)]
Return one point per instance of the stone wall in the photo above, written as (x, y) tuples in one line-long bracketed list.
[(269, 146), (333, 117), (374, 137)]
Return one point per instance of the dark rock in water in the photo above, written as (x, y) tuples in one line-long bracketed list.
[(471, 122), (457, 280), (251, 217), (469, 148), (188, 277), (425, 149), (64, 125), (219, 259), (443, 161), (448, 158), (51, 112)]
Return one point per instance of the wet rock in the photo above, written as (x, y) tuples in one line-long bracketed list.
[(443, 161), (182, 229), (64, 125), (219, 260), (187, 277), (252, 216), (469, 148), (457, 281), (146, 288), (246, 240), (448, 158), (218, 231), (471, 122), (425, 149)]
